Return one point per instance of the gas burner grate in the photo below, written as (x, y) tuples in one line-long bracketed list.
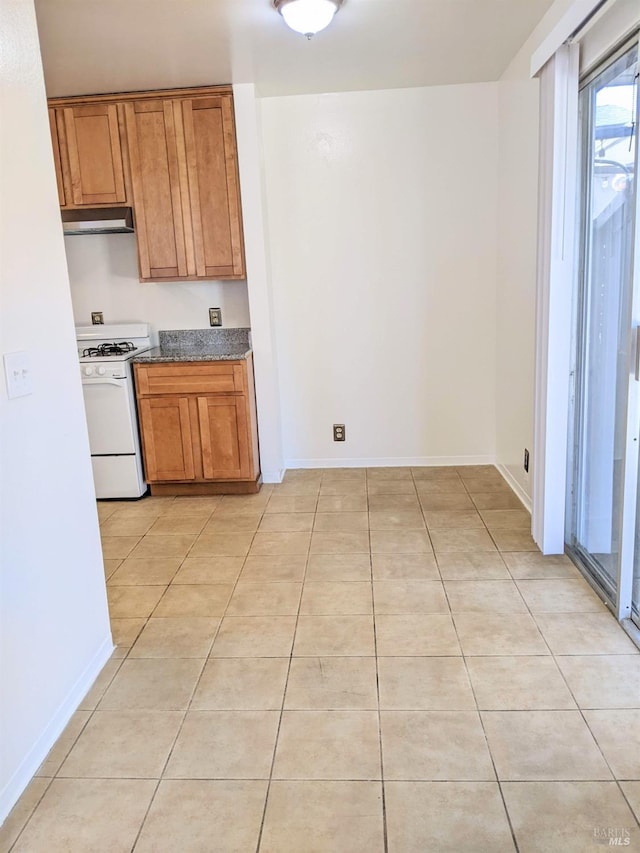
[(106, 350)]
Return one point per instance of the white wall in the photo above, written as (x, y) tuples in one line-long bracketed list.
[(517, 256), (517, 236), (382, 212), (516, 283), (259, 291), (54, 626), (103, 273)]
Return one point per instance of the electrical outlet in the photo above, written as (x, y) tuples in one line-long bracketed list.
[(526, 460), (215, 316), (338, 432), (96, 318)]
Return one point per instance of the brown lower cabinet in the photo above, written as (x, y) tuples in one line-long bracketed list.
[(198, 427)]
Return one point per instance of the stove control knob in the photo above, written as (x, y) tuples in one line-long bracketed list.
[(101, 371), (88, 371)]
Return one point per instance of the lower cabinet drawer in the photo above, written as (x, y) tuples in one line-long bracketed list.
[(190, 378)]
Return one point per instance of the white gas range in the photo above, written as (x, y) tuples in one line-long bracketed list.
[(105, 353)]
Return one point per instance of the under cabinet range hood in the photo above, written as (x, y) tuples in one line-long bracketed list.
[(105, 220)]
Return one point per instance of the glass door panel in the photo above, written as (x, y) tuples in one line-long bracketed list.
[(608, 109)]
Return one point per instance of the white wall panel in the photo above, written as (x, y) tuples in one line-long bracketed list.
[(54, 624), (103, 271), (382, 214), (516, 286)]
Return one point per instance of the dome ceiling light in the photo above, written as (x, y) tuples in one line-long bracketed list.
[(307, 17)]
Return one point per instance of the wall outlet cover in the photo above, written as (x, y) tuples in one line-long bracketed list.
[(97, 318), (339, 432), (215, 316)]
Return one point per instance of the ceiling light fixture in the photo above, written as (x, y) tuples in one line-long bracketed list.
[(307, 17)]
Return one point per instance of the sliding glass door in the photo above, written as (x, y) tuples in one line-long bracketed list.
[(605, 479)]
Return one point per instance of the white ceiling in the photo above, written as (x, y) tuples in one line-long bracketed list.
[(91, 46)]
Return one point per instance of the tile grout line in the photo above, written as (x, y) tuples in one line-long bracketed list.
[(146, 619), (124, 658), (332, 779), (184, 714), (195, 687), (145, 623), (385, 828), (426, 526), (171, 582), (146, 813), (186, 556), (577, 704), (584, 719), (150, 616), (481, 721), (614, 778), (284, 693), (31, 813), (499, 781)]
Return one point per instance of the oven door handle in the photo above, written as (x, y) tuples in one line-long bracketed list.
[(105, 380)]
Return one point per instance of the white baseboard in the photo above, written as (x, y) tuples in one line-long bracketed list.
[(273, 476), (391, 462), (54, 728), (522, 496)]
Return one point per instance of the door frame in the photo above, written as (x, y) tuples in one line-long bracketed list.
[(620, 600)]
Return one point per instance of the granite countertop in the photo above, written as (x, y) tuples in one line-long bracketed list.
[(199, 345)]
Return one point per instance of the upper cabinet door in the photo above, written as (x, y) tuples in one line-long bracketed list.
[(214, 192), (53, 127), (156, 184), (92, 155)]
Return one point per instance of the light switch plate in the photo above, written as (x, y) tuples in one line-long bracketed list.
[(17, 369)]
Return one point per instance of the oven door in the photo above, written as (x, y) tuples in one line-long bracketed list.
[(110, 416)]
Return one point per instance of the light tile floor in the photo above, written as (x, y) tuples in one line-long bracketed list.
[(350, 661)]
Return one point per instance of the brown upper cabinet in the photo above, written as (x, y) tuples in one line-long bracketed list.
[(53, 127), (160, 205), (212, 171), (185, 188), (89, 155), (179, 150)]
